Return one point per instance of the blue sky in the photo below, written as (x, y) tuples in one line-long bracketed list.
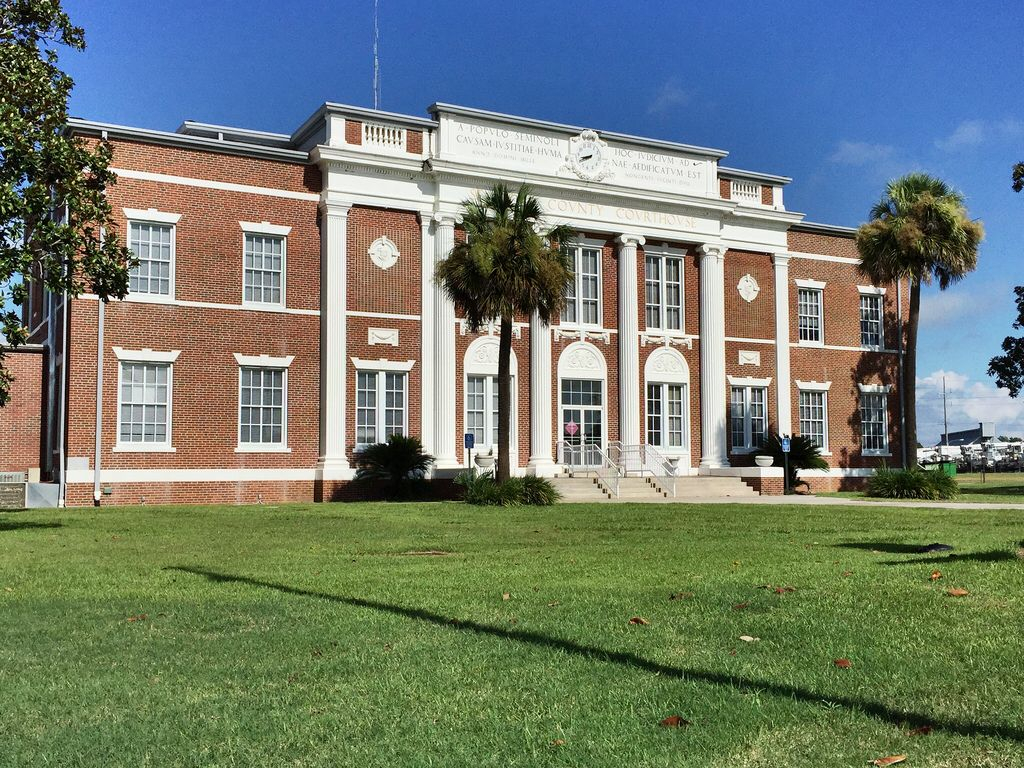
[(840, 96)]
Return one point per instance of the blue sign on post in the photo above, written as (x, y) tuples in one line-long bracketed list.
[(786, 443), (470, 440)]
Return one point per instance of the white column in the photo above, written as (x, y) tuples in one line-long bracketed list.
[(629, 342), (427, 425), (712, 357), (540, 398), (333, 360), (783, 395), (444, 353)]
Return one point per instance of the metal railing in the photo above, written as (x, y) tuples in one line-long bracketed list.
[(590, 458), (644, 460)]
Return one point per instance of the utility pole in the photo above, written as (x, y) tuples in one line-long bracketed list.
[(945, 419)]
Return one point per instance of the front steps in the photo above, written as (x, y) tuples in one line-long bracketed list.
[(589, 488)]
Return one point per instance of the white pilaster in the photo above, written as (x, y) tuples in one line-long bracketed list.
[(629, 342), (427, 425), (444, 353), (540, 398), (333, 306), (713, 422), (783, 394)]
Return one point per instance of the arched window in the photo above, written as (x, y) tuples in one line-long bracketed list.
[(668, 401)]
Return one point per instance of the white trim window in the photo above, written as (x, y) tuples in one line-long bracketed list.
[(748, 417), (874, 422), (583, 298), (810, 313), (666, 417), (262, 407), (144, 405), (380, 406), (152, 243), (481, 421), (814, 417), (663, 288), (871, 320), (263, 270)]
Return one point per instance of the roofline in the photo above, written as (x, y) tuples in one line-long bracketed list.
[(753, 175), (824, 229), (77, 125), (309, 125), (188, 127), (439, 106), (7, 349)]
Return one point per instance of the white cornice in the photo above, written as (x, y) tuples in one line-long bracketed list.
[(813, 386), (383, 365), (749, 381), (263, 361), (264, 228), (151, 214), (146, 355)]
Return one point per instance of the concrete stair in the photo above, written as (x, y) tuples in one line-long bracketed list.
[(587, 489)]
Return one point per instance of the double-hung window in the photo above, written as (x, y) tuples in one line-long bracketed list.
[(810, 311), (144, 400), (813, 412), (748, 415), (663, 288), (151, 235), (871, 317), (380, 406), (874, 432), (666, 416), (482, 409), (262, 402), (264, 253), (582, 299)]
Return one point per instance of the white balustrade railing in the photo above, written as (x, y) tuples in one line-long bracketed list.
[(381, 136), (644, 460), (745, 191)]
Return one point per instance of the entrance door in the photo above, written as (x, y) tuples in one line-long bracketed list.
[(582, 417)]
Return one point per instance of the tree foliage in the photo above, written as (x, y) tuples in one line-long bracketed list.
[(919, 231), (53, 208), (1008, 368), (507, 265), (1018, 177)]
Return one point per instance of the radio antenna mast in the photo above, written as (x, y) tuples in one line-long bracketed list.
[(376, 59)]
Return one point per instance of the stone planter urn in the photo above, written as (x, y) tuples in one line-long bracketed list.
[(484, 461), (764, 461)]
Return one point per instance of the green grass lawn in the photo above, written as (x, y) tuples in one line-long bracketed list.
[(318, 636), (997, 488)]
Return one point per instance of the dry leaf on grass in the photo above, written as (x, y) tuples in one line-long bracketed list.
[(843, 663), (957, 592), (674, 721), (639, 620), (558, 743), (749, 639), (740, 606), (924, 730), (140, 617), (890, 760), (936, 575), (553, 603), (847, 573), (506, 595), (680, 595)]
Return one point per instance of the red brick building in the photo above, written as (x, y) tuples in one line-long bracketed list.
[(284, 313)]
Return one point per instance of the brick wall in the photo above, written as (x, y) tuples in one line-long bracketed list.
[(22, 420)]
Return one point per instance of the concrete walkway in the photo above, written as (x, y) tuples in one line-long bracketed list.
[(832, 501)]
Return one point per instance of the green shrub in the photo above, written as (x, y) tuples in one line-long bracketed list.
[(803, 454), (481, 489), (912, 484), (400, 462)]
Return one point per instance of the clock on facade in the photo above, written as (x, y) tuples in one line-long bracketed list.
[(588, 156)]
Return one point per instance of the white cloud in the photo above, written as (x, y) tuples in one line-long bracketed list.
[(968, 403), (861, 153), (670, 95), (974, 133)]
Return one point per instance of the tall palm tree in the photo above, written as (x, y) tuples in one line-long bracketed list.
[(507, 265), (919, 231)]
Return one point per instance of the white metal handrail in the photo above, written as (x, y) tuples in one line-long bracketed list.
[(591, 458), (644, 460)]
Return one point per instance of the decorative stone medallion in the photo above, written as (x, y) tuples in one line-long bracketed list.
[(748, 288), (383, 253)]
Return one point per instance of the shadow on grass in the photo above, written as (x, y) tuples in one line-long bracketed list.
[(993, 490), (739, 683), (22, 525), (992, 556), (883, 546)]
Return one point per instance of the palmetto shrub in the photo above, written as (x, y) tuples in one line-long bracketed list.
[(401, 463), (482, 489), (929, 485), (803, 454)]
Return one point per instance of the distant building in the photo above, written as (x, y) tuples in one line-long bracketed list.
[(985, 431)]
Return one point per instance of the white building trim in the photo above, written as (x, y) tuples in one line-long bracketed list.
[(749, 381), (146, 355), (814, 285), (263, 361), (383, 365), (813, 386), (225, 186), (871, 290), (878, 389), (151, 215), (264, 228)]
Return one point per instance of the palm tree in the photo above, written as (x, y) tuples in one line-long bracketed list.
[(507, 265), (919, 231)]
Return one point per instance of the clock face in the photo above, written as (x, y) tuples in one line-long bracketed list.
[(589, 155)]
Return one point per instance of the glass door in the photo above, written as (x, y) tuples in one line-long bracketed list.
[(582, 418)]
